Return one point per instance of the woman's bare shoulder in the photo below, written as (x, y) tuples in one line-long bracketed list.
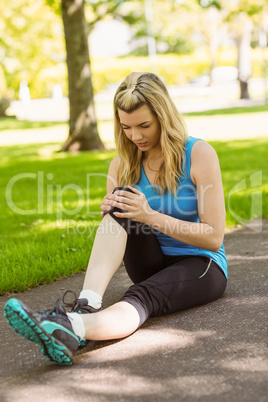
[(203, 158)]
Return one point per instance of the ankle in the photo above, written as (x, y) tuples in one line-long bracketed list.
[(77, 323), (93, 298)]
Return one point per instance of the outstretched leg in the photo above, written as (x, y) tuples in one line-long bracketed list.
[(187, 282), (115, 322)]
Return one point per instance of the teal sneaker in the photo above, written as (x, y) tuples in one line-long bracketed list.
[(79, 306), (50, 329)]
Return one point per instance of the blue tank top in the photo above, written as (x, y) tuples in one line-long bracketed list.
[(182, 206)]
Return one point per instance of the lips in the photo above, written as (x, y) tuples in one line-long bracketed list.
[(141, 144)]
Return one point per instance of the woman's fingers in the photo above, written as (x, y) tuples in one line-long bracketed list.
[(121, 199), (136, 191), (125, 193)]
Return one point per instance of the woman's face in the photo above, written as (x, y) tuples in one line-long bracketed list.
[(142, 128)]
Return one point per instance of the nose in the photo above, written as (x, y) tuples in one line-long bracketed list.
[(136, 135)]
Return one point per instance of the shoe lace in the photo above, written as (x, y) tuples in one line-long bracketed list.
[(74, 304), (56, 310)]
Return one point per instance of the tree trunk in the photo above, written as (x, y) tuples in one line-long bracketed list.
[(83, 132), (244, 63)]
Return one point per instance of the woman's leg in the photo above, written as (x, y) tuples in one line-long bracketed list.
[(120, 239), (189, 282), (115, 322), (106, 255)]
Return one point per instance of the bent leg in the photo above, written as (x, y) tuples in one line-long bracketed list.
[(120, 239)]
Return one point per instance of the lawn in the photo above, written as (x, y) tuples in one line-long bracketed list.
[(231, 111), (50, 205), (49, 212)]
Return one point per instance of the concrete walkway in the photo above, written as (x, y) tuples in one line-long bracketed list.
[(217, 352)]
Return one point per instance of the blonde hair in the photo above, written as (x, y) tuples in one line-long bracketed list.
[(140, 89)]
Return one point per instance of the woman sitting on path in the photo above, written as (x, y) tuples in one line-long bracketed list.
[(163, 214)]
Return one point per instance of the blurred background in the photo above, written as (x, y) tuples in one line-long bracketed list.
[(211, 54)]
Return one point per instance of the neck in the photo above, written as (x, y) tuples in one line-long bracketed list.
[(154, 155)]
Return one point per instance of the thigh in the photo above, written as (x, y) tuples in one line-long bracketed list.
[(187, 283)]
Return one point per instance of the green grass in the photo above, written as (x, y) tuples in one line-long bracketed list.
[(11, 123), (244, 175), (230, 111), (55, 237)]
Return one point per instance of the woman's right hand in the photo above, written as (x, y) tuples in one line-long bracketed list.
[(105, 206)]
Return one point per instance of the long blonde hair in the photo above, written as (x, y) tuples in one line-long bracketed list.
[(140, 89)]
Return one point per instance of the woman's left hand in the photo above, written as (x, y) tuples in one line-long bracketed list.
[(135, 205)]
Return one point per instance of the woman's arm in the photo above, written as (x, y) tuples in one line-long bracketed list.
[(112, 175), (206, 175)]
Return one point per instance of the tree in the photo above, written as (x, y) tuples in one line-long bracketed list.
[(240, 15), (83, 131), (243, 33), (170, 36)]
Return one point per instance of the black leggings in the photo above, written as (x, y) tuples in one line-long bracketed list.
[(165, 284)]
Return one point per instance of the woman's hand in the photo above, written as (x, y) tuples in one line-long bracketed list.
[(105, 205), (134, 205)]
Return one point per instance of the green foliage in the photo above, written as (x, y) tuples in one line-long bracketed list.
[(31, 47), (210, 3), (170, 36), (32, 43), (55, 5), (174, 69)]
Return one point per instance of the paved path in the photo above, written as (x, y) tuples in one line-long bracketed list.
[(213, 353)]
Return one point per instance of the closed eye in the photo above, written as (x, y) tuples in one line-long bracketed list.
[(141, 125)]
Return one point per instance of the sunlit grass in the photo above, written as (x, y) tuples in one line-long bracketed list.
[(11, 123), (231, 111), (240, 160), (49, 223)]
